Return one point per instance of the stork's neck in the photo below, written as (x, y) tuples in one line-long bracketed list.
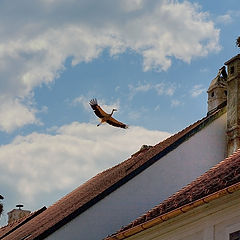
[(112, 112)]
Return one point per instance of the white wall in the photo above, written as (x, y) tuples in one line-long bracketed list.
[(178, 168), (213, 221)]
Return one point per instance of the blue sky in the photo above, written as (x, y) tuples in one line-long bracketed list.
[(152, 60)]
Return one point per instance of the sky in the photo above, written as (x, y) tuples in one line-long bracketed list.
[(153, 60)]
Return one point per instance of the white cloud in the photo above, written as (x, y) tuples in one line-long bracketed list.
[(82, 100), (164, 89), (204, 70), (229, 17), (117, 88), (134, 115), (157, 108), (225, 19), (161, 88), (132, 5), (133, 90), (143, 88), (175, 103), (14, 114), (57, 163), (197, 90), (34, 46)]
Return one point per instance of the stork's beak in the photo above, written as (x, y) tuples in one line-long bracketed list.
[(114, 109)]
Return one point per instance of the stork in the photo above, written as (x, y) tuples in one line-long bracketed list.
[(105, 117), (222, 71), (238, 42)]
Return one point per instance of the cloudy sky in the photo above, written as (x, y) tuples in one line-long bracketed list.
[(151, 59)]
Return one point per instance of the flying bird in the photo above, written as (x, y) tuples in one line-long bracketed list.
[(105, 117)]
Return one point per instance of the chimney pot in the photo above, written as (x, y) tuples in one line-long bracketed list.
[(16, 214)]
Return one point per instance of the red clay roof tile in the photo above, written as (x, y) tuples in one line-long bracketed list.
[(6, 230)]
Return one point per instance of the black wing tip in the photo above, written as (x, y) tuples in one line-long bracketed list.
[(93, 102)]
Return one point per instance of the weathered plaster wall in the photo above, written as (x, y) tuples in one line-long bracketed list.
[(178, 168)]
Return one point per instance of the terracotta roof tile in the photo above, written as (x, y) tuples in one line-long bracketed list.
[(103, 184), (6, 230), (224, 174)]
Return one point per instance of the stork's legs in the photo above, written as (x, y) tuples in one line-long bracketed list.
[(102, 120), (99, 124)]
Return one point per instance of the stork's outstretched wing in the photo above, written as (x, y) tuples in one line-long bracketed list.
[(97, 109), (112, 121)]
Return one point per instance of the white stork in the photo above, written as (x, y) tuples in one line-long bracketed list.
[(105, 117)]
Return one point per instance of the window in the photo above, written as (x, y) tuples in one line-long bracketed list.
[(232, 232), (232, 70), (234, 236)]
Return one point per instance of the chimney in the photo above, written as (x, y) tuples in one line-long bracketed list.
[(16, 214), (217, 91), (233, 104)]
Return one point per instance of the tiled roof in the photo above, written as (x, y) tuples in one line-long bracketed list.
[(221, 176), (11, 227), (103, 184)]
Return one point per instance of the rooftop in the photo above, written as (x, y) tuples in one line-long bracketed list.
[(103, 184), (6, 230)]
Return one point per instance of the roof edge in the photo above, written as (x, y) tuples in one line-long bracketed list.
[(221, 105), (221, 109), (232, 59)]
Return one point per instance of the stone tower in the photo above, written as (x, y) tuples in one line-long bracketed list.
[(233, 104), (217, 91)]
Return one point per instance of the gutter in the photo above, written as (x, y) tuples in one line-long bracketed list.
[(174, 213)]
